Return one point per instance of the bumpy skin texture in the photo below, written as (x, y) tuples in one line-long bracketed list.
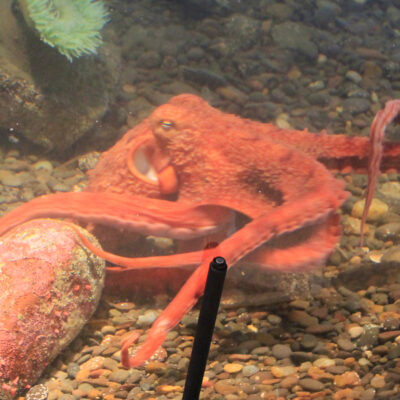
[(49, 287), (221, 163), (275, 177), (244, 165)]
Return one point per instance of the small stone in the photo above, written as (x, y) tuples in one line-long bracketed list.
[(308, 342), (355, 331), (274, 319), (354, 76), (369, 336), (233, 94), (134, 377), (349, 378), (82, 375), (392, 255), (317, 85), (37, 392), (233, 368), (282, 121), (388, 335), (225, 388), (394, 352), (282, 371), (289, 381), (311, 385), (376, 212), (368, 394), (66, 396), (300, 304), (9, 178), (320, 328), (345, 344), (108, 330), (93, 363), (259, 351), (239, 357), (388, 231), (44, 165), (124, 306), (302, 318), (322, 59), (168, 389), (324, 362), (72, 369), (378, 382), (250, 370), (156, 367), (119, 375), (281, 351), (356, 105), (294, 73), (94, 394), (85, 388), (146, 319), (351, 225)]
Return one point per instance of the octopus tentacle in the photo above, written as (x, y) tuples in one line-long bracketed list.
[(144, 215), (382, 119), (312, 207)]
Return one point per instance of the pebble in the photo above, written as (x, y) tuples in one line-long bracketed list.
[(119, 375), (157, 367), (168, 388), (282, 371), (345, 344), (37, 392), (302, 318), (355, 331), (93, 363), (233, 368), (311, 385), (324, 362), (249, 370), (348, 378), (225, 388), (356, 105), (12, 179), (295, 36), (108, 330), (392, 255), (308, 342), (388, 231), (354, 76), (124, 306), (44, 165), (377, 210), (146, 319), (281, 351), (289, 381), (73, 369)]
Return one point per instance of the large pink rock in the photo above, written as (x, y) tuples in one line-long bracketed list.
[(49, 287)]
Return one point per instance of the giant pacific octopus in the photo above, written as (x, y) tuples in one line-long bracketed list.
[(265, 194)]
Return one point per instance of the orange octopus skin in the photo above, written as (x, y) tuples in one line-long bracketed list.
[(220, 164)]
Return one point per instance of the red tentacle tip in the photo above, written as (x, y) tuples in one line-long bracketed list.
[(132, 338)]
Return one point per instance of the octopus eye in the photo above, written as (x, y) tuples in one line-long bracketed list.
[(167, 125)]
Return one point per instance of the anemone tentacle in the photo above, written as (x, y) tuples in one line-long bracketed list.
[(71, 26)]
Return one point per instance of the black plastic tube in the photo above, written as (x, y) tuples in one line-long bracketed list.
[(205, 328)]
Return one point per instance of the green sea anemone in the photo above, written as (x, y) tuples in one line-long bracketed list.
[(71, 26)]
